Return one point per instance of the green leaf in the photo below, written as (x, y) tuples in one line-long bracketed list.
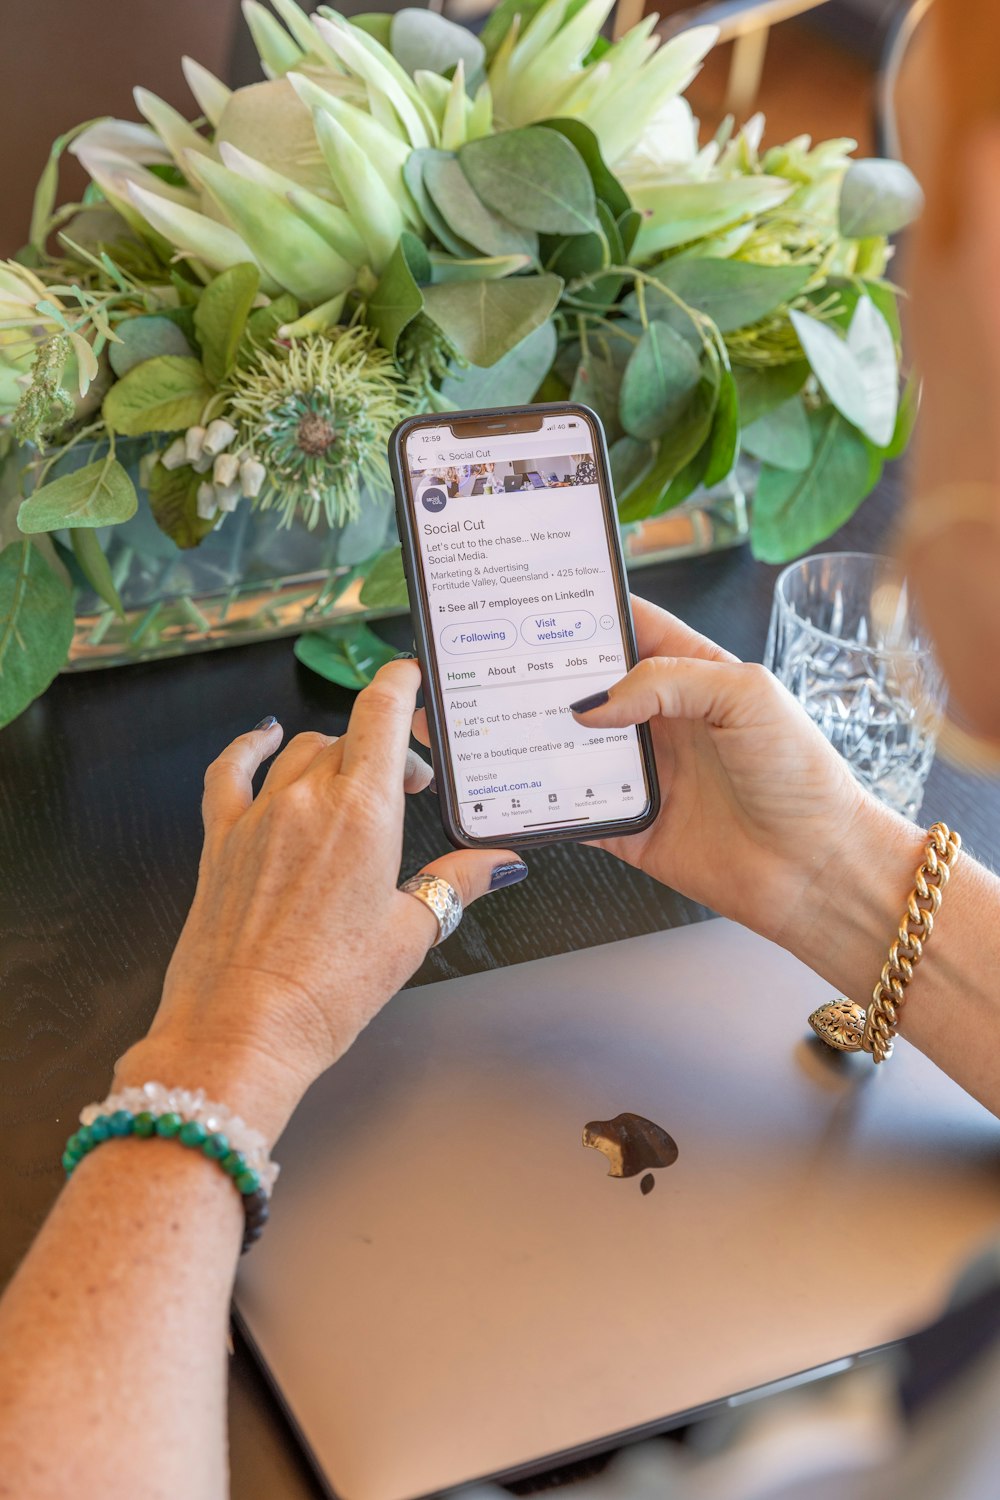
[(733, 293), (677, 448), (413, 176), (422, 39), (483, 268), (677, 213), (906, 419), (398, 299), (871, 343), (781, 437), (597, 379), (606, 185), (501, 19), (512, 381), (630, 460), (833, 365), (878, 197), (794, 511), (850, 292), (533, 177), (761, 390), (376, 24), (166, 394), (659, 377), (36, 627), (723, 445), (264, 322), (461, 206), (144, 338), (486, 319), (100, 494), (173, 503), (48, 185), (94, 566), (348, 655), (628, 227), (221, 318), (385, 585)]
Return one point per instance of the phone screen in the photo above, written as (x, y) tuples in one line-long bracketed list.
[(523, 618)]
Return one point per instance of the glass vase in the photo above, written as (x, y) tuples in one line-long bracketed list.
[(707, 521)]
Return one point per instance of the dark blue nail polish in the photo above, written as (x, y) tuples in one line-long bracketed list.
[(266, 723), (584, 705), (508, 875), (405, 656), (432, 785)]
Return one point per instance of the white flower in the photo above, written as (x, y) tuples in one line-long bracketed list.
[(194, 439), (227, 497), (218, 435), (206, 501), (176, 455), (252, 476), (667, 145), (225, 468)]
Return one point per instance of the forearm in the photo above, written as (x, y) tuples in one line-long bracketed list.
[(952, 1010), (113, 1333)]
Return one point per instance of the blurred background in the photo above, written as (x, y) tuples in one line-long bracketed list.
[(810, 65)]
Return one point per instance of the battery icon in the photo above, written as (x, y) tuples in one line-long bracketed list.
[(572, 424)]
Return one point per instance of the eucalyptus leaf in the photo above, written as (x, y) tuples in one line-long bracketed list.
[(878, 197), (598, 376), (483, 268), (762, 389), (423, 39), (573, 255), (36, 627), (722, 448), (793, 511), (165, 394), (512, 381), (629, 225), (460, 204), (348, 655), (677, 213), (661, 374), (870, 341), (534, 177), (95, 568), (906, 418), (100, 494), (781, 437), (220, 318), (377, 24), (834, 366), (413, 176), (385, 585), (606, 185), (486, 319), (850, 291), (144, 338), (173, 504), (630, 460), (733, 293), (661, 308), (678, 446), (398, 299)]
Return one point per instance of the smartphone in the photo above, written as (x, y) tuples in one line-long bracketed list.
[(520, 607)]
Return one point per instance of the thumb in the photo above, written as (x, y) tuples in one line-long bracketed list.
[(723, 694), (472, 873)]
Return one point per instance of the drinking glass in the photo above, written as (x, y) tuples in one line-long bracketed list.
[(846, 641)]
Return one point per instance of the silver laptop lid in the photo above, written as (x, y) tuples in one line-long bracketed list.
[(452, 1286)]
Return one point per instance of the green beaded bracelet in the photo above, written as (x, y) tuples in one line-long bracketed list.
[(169, 1125)]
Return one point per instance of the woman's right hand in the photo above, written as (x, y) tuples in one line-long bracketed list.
[(761, 818)]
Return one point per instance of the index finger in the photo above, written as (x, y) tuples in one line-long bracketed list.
[(378, 734), (659, 633), (229, 779)]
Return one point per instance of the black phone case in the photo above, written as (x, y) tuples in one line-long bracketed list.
[(422, 635)]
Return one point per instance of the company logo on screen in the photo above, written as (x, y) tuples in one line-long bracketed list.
[(433, 498)]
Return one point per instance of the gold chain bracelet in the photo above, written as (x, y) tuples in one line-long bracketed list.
[(847, 1026)]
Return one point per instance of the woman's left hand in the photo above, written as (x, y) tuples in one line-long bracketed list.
[(298, 935)]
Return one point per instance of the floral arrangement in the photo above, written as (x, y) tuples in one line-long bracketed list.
[(405, 216)]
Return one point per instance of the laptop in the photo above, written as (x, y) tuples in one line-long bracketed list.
[(453, 1287)]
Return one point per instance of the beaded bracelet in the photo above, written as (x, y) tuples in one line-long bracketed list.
[(188, 1117)]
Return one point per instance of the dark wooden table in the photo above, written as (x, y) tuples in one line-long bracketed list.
[(100, 784)]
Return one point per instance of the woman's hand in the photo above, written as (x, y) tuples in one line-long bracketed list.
[(298, 935), (761, 818)]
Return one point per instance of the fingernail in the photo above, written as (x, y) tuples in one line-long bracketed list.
[(584, 705), (432, 785), (508, 874), (266, 723), (405, 656)]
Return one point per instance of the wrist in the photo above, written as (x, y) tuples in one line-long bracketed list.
[(844, 923), (261, 1088)]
